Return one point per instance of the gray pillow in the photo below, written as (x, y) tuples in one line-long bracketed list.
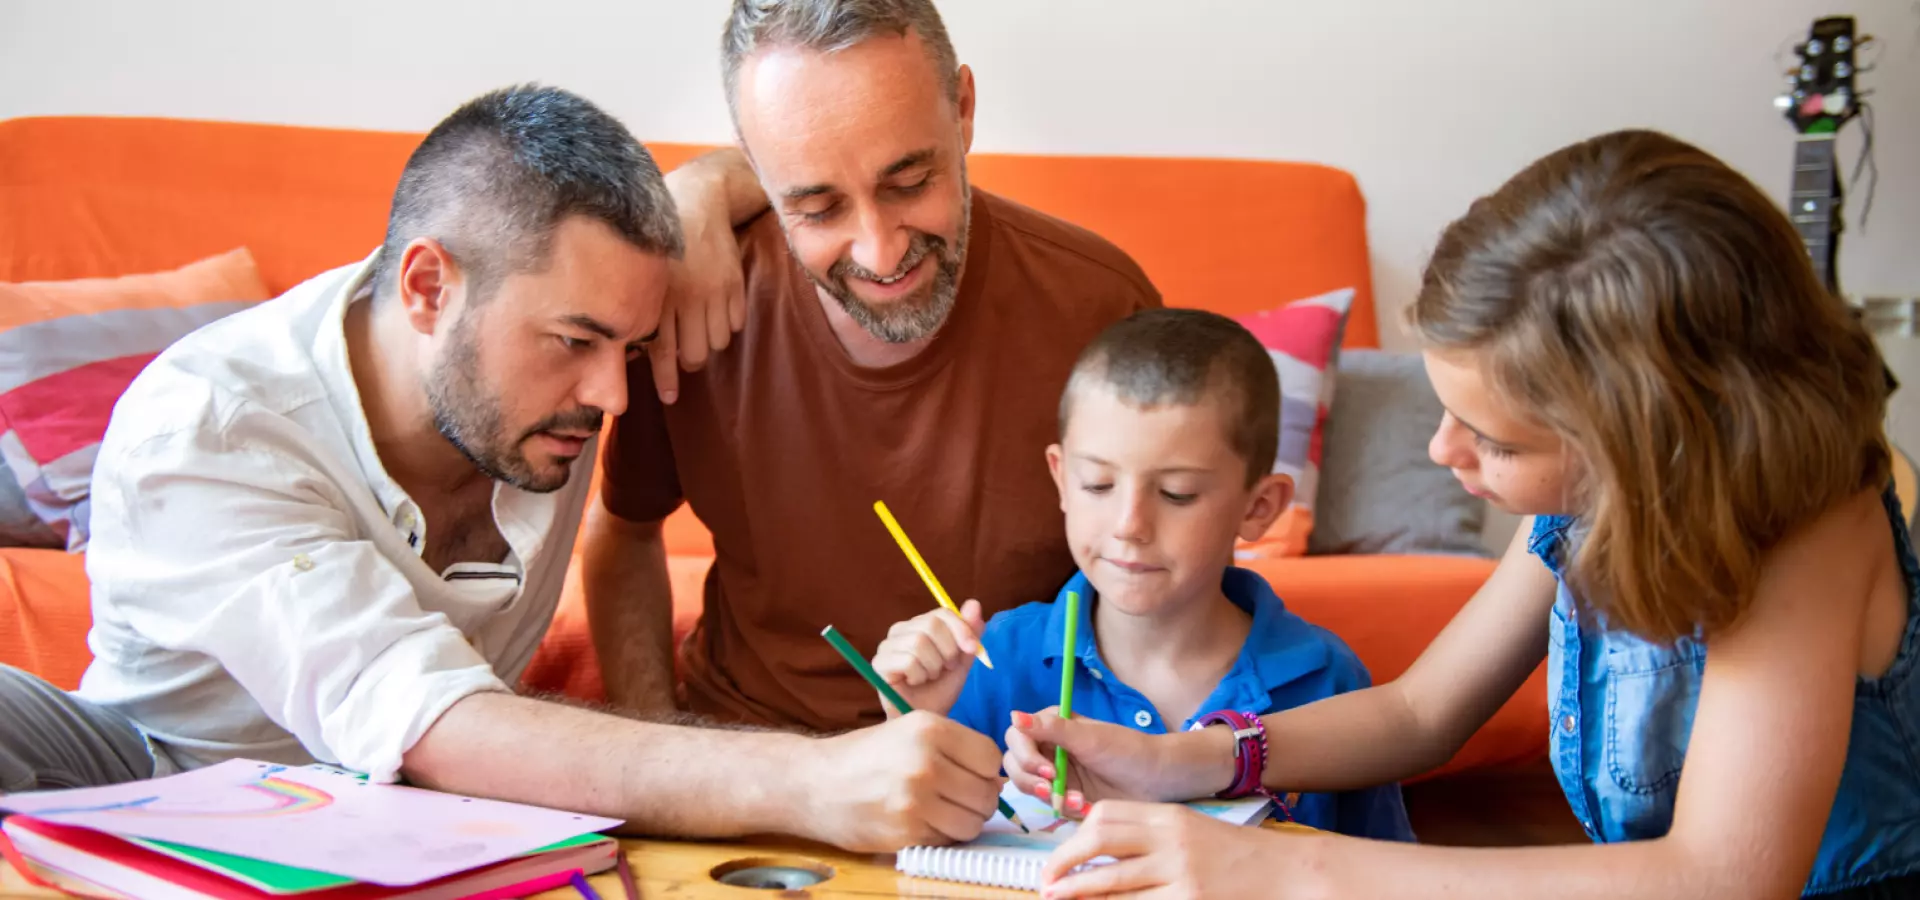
[(19, 525), (1379, 493)]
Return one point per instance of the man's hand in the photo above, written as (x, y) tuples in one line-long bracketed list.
[(919, 779), (706, 299), (927, 658)]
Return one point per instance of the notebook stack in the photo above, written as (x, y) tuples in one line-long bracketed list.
[(246, 830)]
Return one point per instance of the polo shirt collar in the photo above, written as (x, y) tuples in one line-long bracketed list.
[(1280, 647)]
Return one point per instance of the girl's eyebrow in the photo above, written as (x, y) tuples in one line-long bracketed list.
[(1482, 435)]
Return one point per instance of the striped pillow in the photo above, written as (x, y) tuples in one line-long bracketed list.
[(68, 350), (1303, 337)]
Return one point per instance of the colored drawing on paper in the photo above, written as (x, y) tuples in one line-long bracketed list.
[(266, 797)]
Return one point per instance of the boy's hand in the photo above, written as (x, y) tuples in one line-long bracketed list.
[(927, 657)]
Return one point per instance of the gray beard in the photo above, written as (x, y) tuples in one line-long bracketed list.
[(914, 318)]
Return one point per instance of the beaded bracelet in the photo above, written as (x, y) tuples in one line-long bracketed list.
[(1249, 755)]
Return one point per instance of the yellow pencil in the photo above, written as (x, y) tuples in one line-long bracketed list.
[(926, 574)]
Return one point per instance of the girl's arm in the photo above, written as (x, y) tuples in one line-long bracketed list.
[(1764, 760), (1353, 740)]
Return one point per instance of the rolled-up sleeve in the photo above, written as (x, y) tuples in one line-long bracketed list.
[(245, 552)]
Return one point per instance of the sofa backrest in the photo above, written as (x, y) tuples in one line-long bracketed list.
[(100, 196)]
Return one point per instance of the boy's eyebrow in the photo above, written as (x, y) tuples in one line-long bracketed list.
[(1176, 470)]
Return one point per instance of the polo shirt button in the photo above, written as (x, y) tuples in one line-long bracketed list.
[(1568, 724), (1143, 718), (302, 562), (1096, 674)]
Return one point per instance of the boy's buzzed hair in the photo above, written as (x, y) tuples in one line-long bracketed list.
[(1157, 357)]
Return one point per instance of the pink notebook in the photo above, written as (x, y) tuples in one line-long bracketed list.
[(75, 859)]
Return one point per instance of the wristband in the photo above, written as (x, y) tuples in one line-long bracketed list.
[(1249, 755)]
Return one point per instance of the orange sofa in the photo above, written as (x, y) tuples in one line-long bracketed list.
[(85, 197)]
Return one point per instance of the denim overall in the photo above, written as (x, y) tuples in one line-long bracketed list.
[(1622, 711)]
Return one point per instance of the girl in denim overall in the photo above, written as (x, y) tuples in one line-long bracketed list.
[(1633, 351)]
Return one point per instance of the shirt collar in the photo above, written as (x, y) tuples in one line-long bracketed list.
[(524, 518), (335, 373), (1055, 642), (1280, 648)]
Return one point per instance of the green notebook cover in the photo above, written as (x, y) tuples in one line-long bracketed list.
[(274, 878)]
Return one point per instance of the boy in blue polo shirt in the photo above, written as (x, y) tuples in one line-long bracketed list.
[(1168, 429)]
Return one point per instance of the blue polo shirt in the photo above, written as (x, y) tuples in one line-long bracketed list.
[(1286, 662)]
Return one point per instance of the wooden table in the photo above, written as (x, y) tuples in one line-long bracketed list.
[(676, 869)]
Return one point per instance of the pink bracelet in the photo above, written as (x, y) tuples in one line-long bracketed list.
[(1249, 755)]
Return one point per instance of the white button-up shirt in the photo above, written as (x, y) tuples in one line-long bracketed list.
[(258, 587)]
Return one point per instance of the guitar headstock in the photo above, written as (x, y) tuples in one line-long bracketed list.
[(1820, 94)]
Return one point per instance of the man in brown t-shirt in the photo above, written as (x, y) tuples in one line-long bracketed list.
[(906, 340)]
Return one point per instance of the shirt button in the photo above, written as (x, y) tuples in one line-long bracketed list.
[(302, 562), (1568, 724), (407, 519), (1143, 718), (1096, 674)]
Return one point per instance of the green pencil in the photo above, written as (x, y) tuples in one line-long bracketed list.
[(1066, 700), (860, 664)]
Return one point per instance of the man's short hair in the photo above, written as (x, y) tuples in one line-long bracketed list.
[(829, 26), (493, 180), (1157, 357)]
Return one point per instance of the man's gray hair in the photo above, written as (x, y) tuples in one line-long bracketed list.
[(829, 26)]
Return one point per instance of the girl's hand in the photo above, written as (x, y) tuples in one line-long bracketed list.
[(1107, 761), (927, 657), (1163, 850)]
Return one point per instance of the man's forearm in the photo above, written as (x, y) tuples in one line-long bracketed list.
[(659, 779), (629, 597), (726, 171)]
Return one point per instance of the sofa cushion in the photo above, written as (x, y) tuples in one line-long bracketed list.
[(1304, 340), (68, 349), (1379, 491), (1388, 609), (45, 613)]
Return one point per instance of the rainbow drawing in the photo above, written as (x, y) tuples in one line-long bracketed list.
[(265, 797)]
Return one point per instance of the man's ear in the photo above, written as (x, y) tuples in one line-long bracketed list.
[(1269, 498), (1056, 466), (965, 98), (430, 283)]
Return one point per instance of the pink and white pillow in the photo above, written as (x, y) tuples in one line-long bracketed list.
[(68, 350), (1303, 337)]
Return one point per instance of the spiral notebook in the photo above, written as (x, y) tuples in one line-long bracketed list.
[(1004, 856)]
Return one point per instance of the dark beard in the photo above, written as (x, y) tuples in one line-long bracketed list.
[(469, 418)]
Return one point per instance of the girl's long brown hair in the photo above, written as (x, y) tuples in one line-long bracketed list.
[(1651, 306)]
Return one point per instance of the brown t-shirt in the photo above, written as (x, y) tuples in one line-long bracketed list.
[(782, 444)]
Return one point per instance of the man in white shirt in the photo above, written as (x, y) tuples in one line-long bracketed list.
[(334, 527)]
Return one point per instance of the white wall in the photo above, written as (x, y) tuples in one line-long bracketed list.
[(1429, 103)]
